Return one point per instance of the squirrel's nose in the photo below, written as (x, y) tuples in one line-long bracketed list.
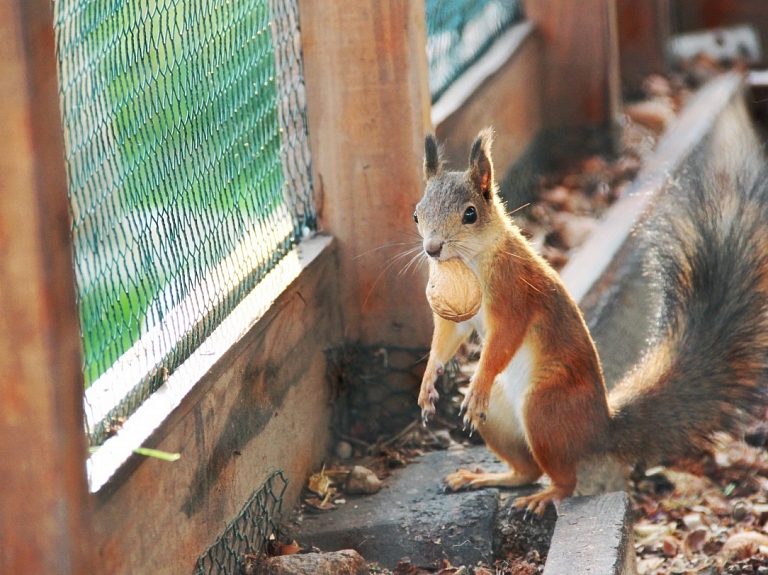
[(433, 247)]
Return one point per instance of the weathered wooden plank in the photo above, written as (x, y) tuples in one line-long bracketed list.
[(593, 535), (368, 109), (581, 64), (643, 34), (44, 512), (509, 100), (264, 406)]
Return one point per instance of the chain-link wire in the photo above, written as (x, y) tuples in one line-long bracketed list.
[(189, 172), (292, 110), (249, 534), (460, 31)]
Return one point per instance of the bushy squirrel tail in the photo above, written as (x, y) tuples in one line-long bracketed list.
[(705, 370)]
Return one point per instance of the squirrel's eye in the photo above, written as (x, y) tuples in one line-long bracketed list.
[(415, 217), (470, 215)]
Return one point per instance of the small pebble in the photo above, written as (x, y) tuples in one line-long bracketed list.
[(362, 481), (343, 450), (740, 511)]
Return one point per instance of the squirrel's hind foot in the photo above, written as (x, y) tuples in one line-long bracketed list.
[(537, 503), (466, 479)]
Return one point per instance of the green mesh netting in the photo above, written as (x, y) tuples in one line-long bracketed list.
[(460, 31), (188, 165), (243, 542)]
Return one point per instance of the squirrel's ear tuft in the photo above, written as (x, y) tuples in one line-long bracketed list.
[(432, 162), (481, 164)]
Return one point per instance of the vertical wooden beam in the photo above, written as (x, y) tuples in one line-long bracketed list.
[(643, 35), (368, 106), (44, 515), (581, 63)]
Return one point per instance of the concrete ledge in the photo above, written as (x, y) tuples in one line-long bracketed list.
[(593, 535)]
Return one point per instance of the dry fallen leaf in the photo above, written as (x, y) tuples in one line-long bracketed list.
[(760, 510), (649, 565), (744, 539), (695, 540), (669, 546), (319, 483), (693, 521), (647, 534), (287, 548), (291, 549), (320, 504)]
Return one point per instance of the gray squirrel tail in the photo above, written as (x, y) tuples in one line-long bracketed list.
[(706, 253)]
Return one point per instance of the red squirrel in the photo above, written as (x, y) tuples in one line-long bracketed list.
[(538, 397)]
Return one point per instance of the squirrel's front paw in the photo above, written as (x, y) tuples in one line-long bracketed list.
[(428, 395), (427, 399), (474, 408)]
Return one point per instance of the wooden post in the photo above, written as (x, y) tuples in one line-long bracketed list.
[(368, 106), (581, 64), (44, 515), (643, 34)]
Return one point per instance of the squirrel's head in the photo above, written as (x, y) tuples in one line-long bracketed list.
[(458, 208)]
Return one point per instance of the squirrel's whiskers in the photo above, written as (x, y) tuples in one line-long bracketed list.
[(415, 253)]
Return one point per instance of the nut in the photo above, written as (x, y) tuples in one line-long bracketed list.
[(453, 290)]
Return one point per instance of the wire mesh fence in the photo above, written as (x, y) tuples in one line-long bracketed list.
[(377, 386), (249, 534), (188, 169), (460, 31)]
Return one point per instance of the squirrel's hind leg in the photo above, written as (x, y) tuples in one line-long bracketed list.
[(504, 436)]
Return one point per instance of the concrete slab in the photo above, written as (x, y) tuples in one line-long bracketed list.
[(413, 516)]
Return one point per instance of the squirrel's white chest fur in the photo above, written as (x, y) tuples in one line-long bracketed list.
[(506, 409)]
